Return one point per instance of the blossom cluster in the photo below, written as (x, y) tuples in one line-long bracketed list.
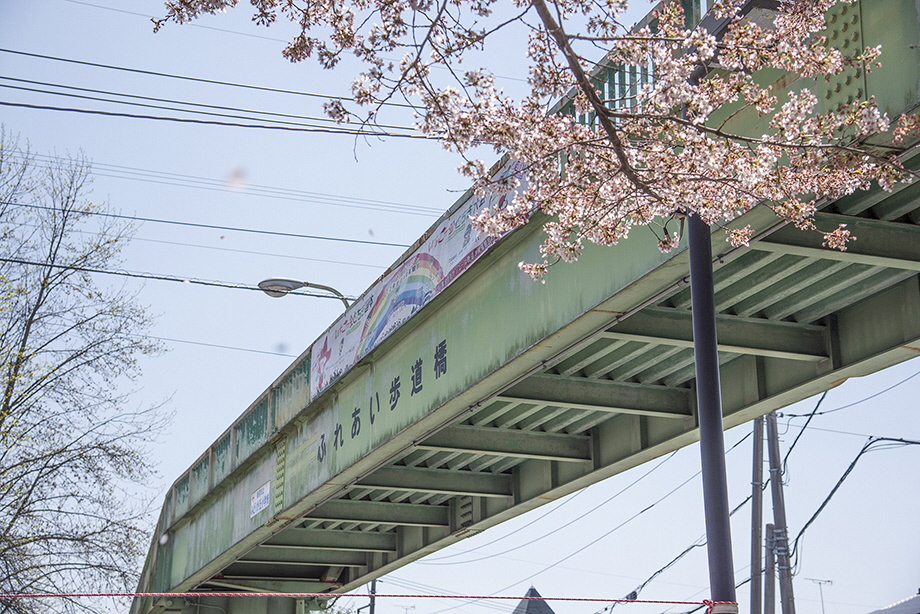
[(663, 140)]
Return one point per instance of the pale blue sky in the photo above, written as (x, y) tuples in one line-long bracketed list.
[(867, 541)]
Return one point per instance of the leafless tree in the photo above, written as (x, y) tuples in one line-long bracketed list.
[(72, 451)]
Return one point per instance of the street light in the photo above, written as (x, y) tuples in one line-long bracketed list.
[(276, 287)]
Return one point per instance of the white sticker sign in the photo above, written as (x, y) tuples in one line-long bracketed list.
[(260, 499)]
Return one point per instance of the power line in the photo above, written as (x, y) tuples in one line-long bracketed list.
[(254, 253), (156, 277), (236, 251), (222, 347), (869, 445), (205, 122), (205, 183), (556, 530), (196, 79), (616, 528), (863, 400), (425, 588), (180, 102), (276, 233), (507, 535), (814, 412), (195, 25), (697, 544)]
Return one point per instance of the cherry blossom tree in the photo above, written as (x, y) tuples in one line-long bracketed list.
[(669, 148)]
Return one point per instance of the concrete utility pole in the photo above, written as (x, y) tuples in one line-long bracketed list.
[(769, 588), (709, 412), (757, 519), (781, 537)]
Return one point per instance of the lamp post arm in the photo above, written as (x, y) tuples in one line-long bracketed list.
[(329, 289)]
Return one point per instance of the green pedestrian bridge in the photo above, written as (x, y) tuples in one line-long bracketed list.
[(456, 393)]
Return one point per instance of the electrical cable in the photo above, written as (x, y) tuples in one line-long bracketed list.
[(205, 183), (425, 588), (507, 535), (195, 25), (697, 544), (893, 442), (206, 122), (276, 233), (556, 530), (616, 528), (195, 79), (254, 253), (271, 123), (155, 277), (847, 406), (766, 483), (234, 251), (327, 120), (222, 347), (814, 412)]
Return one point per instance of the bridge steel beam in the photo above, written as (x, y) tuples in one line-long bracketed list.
[(510, 443), (404, 514), (602, 395)]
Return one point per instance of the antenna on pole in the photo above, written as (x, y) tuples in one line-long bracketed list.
[(820, 584)]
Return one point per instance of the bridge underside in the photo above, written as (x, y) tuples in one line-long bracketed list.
[(605, 395)]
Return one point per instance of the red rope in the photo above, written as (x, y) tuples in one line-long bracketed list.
[(707, 603)]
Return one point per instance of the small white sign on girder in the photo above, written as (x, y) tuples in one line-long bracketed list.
[(260, 499)]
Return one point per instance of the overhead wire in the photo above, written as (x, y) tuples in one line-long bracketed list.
[(222, 347), (811, 415), (195, 25), (559, 528), (276, 233), (425, 588), (235, 251), (207, 122), (891, 442), (158, 277), (848, 405), (255, 253), (270, 114), (506, 535), (702, 541), (131, 173), (193, 79), (611, 531)]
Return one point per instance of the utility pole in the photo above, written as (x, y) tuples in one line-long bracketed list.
[(756, 520), (769, 588), (820, 584), (709, 413), (781, 536), (372, 604)]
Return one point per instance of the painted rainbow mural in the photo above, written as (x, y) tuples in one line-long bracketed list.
[(411, 287)]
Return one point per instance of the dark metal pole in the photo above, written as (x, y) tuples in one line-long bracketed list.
[(709, 411), (373, 603), (757, 519)]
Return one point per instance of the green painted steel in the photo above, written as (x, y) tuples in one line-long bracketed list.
[(502, 394)]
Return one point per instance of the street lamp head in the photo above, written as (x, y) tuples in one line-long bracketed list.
[(276, 287)]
